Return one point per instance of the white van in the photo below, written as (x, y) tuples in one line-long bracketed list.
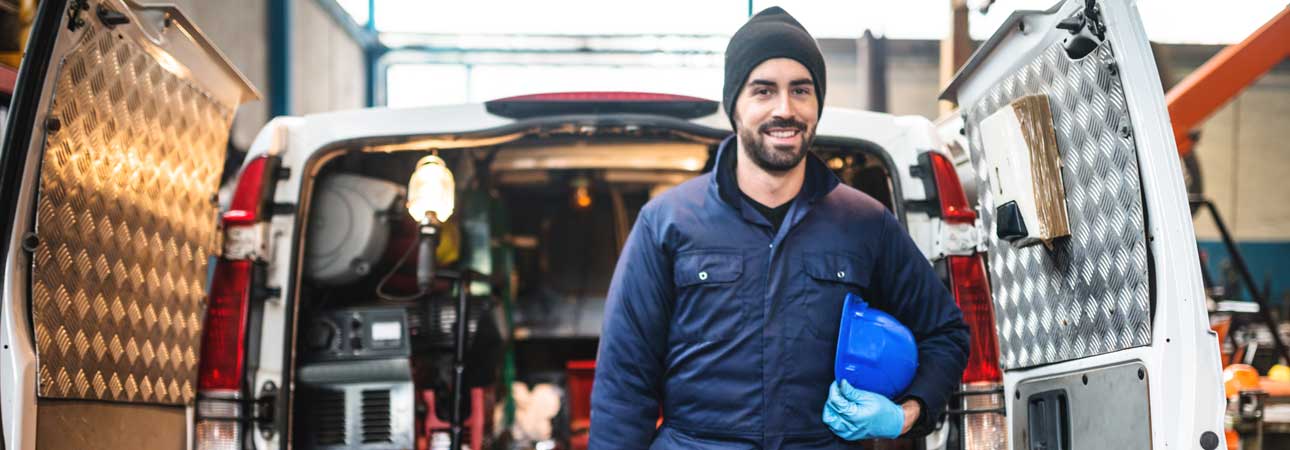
[(138, 314)]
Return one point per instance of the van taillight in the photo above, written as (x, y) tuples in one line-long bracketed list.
[(220, 414), (954, 204), (981, 407), (224, 337), (248, 198), (972, 292), (219, 407), (967, 276)]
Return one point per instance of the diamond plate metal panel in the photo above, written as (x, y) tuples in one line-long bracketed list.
[(126, 222), (1087, 295)]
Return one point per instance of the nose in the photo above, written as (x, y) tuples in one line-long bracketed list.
[(784, 108)]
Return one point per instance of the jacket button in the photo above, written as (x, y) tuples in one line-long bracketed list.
[(703, 275), (841, 274)]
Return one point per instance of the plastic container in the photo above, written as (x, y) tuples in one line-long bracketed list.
[(876, 352)]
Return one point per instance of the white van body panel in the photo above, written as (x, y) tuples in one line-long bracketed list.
[(1182, 360)]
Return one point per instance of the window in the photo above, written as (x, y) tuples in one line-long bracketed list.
[(411, 85), (1169, 21), (561, 17), (356, 9)]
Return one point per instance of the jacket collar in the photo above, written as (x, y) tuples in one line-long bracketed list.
[(819, 180)]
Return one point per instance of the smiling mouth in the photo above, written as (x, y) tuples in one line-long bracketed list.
[(783, 133)]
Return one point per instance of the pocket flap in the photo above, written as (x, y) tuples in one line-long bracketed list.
[(838, 268), (707, 267)]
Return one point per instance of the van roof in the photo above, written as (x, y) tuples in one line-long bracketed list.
[(441, 126)]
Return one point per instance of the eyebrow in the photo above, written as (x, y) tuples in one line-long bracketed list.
[(797, 82)]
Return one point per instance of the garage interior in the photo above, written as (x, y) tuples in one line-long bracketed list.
[(533, 335)]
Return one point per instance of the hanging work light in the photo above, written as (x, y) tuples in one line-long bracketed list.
[(431, 191), (431, 197)]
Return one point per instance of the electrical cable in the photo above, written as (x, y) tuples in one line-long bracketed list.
[(380, 287)]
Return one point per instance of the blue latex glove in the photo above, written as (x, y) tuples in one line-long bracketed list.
[(855, 414)]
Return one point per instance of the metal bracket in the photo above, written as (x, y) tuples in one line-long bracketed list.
[(1094, 15), (1090, 17), (247, 242), (964, 412), (110, 18), (283, 209), (263, 411), (997, 391), (957, 239), (74, 19), (1087, 30)]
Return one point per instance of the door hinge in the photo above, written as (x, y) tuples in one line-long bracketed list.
[(1087, 30), (283, 209), (260, 290), (110, 18), (74, 19), (264, 410), (922, 170), (1090, 17)]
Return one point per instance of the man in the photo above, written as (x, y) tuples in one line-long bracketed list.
[(724, 308)]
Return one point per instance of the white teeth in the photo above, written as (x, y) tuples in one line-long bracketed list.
[(783, 134)]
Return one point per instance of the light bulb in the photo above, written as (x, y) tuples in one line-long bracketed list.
[(431, 190), (581, 198)]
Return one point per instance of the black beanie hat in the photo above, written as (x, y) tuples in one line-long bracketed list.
[(772, 33)]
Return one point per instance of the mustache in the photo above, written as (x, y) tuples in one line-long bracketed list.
[(781, 123)]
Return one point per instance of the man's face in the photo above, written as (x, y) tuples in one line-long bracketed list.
[(776, 114)]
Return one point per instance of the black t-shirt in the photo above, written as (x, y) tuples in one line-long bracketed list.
[(773, 215)]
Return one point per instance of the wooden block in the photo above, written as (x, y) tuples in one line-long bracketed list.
[(1020, 145)]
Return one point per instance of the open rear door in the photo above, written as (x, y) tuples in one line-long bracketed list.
[(1102, 331), (114, 147)]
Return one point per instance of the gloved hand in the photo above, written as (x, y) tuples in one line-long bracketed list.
[(855, 414)]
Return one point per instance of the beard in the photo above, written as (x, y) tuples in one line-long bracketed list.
[(775, 158)]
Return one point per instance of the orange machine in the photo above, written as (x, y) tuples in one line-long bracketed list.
[(1194, 98)]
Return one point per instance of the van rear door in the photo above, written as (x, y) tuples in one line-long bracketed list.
[(1103, 334), (112, 156)]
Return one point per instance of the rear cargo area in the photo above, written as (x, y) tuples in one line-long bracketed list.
[(529, 248)]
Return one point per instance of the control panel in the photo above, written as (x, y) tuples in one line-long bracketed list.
[(357, 333)]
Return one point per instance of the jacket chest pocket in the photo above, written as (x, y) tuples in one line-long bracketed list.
[(829, 277), (708, 300)]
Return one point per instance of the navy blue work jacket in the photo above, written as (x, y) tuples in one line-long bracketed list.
[(729, 330)]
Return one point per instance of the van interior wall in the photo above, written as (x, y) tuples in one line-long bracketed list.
[(565, 253)]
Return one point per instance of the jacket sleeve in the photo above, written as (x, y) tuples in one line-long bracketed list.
[(633, 343), (912, 292)]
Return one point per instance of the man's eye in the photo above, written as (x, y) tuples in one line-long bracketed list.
[(802, 91), (762, 91)]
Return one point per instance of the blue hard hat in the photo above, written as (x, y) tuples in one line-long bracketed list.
[(876, 352)]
